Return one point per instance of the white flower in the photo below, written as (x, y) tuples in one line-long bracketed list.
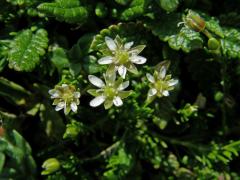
[(110, 92), (65, 97), (122, 56), (160, 83)]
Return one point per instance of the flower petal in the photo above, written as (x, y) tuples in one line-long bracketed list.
[(128, 45), (122, 70), (172, 82), (138, 59), (132, 68), (150, 78), (165, 93), (117, 101), (74, 107), (97, 101), (110, 43), (152, 92), (54, 93), (162, 72), (123, 86), (77, 95), (60, 106), (136, 50), (106, 60), (96, 81)]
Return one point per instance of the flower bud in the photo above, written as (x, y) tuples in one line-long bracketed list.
[(50, 165), (195, 22), (213, 44), (101, 10), (218, 96), (72, 131)]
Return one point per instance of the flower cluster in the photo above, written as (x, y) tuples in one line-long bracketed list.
[(120, 57), (65, 97), (111, 92), (160, 82)]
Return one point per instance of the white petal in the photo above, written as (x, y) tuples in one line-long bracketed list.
[(64, 85), (152, 92), (77, 95), (97, 101), (150, 78), (123, 86), (54, 93), (110, 43), (122, 70), (128, 45), (165, 93), (138, 59), (105, 60), (96, 81), (74, 107), (172, 82), (117, 101), (60, 106), (162, 72)]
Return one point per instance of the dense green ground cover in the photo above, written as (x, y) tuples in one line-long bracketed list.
[(119, 89)]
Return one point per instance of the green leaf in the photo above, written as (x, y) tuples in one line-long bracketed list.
[(168, 5), (26, 49), (136, 9), (230, 44), (69, 11), (119, 164), (2, 161), (19, 156), (177, 37), (59, 58), (13, 92)]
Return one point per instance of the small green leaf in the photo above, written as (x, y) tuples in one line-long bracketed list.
[(168, 5), (26, 49), (60, 59), (69, 11), (2, 161), (12, 92)]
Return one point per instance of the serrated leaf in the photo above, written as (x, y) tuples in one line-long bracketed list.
[(177, 37), (168, 5), (26, 49), (136, 8), (230, 44), (69, 11)]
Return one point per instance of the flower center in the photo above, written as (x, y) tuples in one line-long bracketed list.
[(122, 57), (110, 92)]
